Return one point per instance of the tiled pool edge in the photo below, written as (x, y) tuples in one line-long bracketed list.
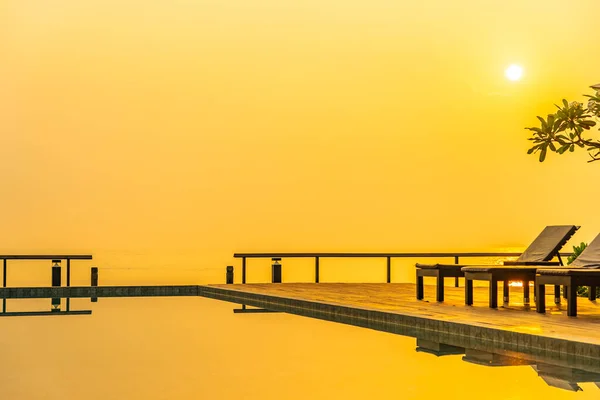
[(98, 291), (583, 354)]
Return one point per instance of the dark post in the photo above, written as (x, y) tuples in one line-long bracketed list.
[(68, 272), (229, 275), (540, 304), (94, 282), (316, 269), (4, 273), (56, 274), (468, 292), (419, 286), (572, 300), (94, 276), (494, 293), (276, 270), (439, 296), (389, 269), (243, 269), (592, 293), (456, 278)]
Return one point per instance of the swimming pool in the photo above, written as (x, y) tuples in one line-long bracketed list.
[(196, 348)]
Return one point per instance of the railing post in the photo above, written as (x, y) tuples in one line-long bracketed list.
[(93, 282), (229, 275), (456, 278), (4, 273), (56, 273), (316, 269), (243, 269), (389, 269), (276, 270), (94, 276), (68, 272)]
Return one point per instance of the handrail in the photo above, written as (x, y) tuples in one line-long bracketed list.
[(388, 256), (45, 257), (370, 255), (32, 257)]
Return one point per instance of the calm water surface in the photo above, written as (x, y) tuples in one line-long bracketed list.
[(197, 348)]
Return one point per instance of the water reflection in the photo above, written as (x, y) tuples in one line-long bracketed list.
[(564, 374), (438, 349), (566, 378), (488, 359), (55, 309), (558, 376), (250, 310)]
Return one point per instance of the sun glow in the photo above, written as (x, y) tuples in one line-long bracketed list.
[(514, 72), (518, 283)]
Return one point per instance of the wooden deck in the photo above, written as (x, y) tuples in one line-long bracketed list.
[(400, 298), (388, 306)]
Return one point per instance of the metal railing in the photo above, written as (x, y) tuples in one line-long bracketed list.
[(30, 257), (387, 256)]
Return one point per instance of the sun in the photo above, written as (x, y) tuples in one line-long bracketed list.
[(514, 72)]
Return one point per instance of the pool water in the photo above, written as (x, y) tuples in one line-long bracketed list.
[(198, 348)]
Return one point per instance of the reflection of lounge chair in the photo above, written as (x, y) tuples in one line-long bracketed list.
[(564, 377), (438, 349), (584, 271), (492, 359), (543, 249)]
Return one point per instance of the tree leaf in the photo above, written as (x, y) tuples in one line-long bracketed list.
[(543, 123), (543, 155)]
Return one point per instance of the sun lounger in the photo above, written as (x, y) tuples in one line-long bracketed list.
[(543, 249), (539, 254), (584, 271)]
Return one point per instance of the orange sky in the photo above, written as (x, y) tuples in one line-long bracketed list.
[(209, 127)]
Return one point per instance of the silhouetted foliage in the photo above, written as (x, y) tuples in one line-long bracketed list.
[(581, 290), (576, 252), (567, 128)]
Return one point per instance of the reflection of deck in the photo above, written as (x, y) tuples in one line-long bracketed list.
[(44, 313), (393, 307)]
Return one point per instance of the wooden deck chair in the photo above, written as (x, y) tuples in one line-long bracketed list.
[(584, 271), (543, 249), (537, 255)]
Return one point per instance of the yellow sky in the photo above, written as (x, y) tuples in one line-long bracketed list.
[(212, 127)]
